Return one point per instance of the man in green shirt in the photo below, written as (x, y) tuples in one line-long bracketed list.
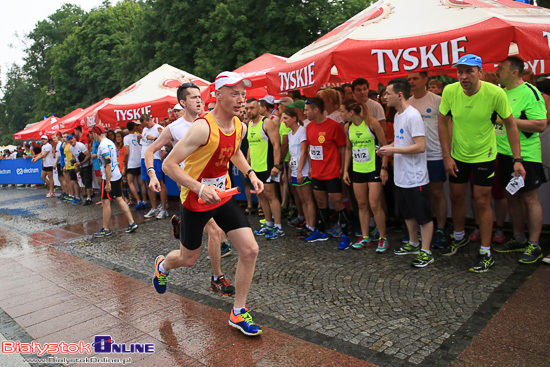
[(529, 111), (474, 106)]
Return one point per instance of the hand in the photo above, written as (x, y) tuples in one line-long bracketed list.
[(77, 164), (123, 172), (257, 185), (300, 178), (450, 166), (210, 194), (154, 184), (384, 176), (385, 151), (519, 170), (274, 172), (34, 160), (108, 187), (160, 129), (346, 179)]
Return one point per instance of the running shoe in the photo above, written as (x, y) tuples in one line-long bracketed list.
[(452, 249), (62, 196), (102, 233), (362, 243), (483, 263), (303, 233), (423, 259), (160, 279), (345, 242), (76, 201), (499, 237), (88, 202), (139, 206), (475, 235), (383, 246), (407, 249), (439, 239), (68, 199), (162, 214), (546, 260), (275, 233), (406, 239), (175, 221), (244, 323), (511, 246), (296, 222), (225, 249), (317, 236), (152, 213), (374, 234), (49, 194), (532, 254), (264, 230), (222, 286), (335, 231), (131, 227)]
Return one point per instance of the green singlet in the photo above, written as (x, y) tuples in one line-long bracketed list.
[(473, 118), (283, 130), (362, 148), (260, 147), (527, 103)]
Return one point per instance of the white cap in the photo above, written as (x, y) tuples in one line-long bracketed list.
[(229, 78), (285, 101), (44, 137), (177, 106), (269, 99)]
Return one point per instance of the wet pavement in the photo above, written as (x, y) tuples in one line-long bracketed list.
[(317, 305)]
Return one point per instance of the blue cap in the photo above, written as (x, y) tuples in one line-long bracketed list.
[(470, 60), (69, 137)]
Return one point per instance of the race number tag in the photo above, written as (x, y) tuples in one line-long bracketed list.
[(293, 166), (515, 184), (316, 152), (361, 155), (219, 182), (500, 130)]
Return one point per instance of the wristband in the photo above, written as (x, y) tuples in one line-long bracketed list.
[(516, 160), (278, 166), (248, 173), (150, 169), (200, 191), (384, 168)]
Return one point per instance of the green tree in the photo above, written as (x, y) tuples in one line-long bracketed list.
[(17, 101)]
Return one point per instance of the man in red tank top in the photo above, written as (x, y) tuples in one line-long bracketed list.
[(211, 142)]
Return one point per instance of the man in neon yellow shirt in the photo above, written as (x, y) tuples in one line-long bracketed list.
[(529, 112), (474, 106)]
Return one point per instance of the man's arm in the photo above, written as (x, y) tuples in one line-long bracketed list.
[(273, 134), (513, 139), (419, 146), (531, 126)]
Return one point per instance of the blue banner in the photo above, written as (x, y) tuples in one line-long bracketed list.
[(20, 171)]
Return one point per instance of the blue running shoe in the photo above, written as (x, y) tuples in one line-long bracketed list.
[(439, 239), (76, 201), (335, 231), (264, 230), (317, 236), (275, 233), (139, 205), (345, 242), (160, 279), (244, 323)]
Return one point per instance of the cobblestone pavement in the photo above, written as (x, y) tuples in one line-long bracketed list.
[(371, 306)]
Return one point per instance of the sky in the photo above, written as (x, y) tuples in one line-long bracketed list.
[(19, 17)]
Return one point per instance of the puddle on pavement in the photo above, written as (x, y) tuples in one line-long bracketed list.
[(13, 244)]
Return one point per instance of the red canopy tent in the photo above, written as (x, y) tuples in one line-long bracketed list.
[(256, 71), (153, 94), (35, 131), (395, 37), (69, 122)]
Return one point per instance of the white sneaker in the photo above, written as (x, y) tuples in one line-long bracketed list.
[(152, 213), (49, 195), (546, 259), (162, 214)]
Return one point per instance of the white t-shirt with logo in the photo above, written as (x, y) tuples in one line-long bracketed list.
[(295, 150), (146, 143), (179, 129), (410, 170), (107, 150), (134, 150), (48, 160), (428, 106), (77, 149), (376, 110)]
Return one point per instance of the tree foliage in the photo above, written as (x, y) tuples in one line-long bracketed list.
[(93, 55)]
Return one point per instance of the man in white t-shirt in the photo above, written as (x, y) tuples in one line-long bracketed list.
[(111, 184), (132, 164), (151, 132), (48, 162), (360, 88), (427, 103), (410, 172), (82, 163)]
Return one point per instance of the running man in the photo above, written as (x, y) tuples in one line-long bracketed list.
[(111, 186), (474, 106), (82, 159), (211, 142), (529, 112), (189, 97), (48, 162)]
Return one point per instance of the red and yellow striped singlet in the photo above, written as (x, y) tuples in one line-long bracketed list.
[(209, 164)]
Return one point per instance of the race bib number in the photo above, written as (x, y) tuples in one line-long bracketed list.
[(500, 130), (515, 184), (293, 166), (361, 155), (219, 182), (316, 152)]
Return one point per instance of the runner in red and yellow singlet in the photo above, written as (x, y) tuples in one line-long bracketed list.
[(211, 142)]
